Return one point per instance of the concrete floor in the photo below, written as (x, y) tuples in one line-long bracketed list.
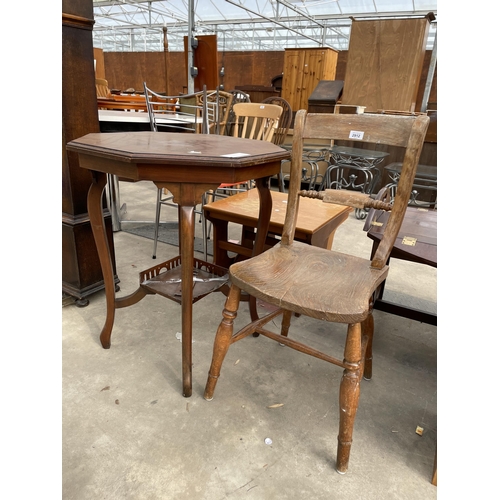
[(128, 433)]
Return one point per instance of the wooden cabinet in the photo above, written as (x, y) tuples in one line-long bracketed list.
[(81, 270), (302, 71)]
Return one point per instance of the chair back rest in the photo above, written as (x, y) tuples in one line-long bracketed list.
[(285, 119), (238, 96), (407, 132), (218, 107), (182, 111), (102, 89), (256, 120)]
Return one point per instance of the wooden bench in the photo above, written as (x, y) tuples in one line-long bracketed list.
[(316, 223)]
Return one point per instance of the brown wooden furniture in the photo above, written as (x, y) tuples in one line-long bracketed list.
[(316, 223), (122, 102), (254, 121), (302, 71), (101, 87), (81, 272), (285, 119), (415, 242), (384, 64), (187, 165), (319, 283), (258, 93), (325, 96), (219, 104)]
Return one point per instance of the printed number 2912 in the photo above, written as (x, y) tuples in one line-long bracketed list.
[(356, 134)]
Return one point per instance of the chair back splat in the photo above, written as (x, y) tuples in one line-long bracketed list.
[(301, 279)]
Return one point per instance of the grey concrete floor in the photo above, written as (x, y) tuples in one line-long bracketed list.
[(128, 433)]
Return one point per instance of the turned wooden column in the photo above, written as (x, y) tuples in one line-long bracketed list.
[(81, 270)]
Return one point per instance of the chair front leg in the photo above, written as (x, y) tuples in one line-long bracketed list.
[(349, 394), (222, 340), (285, 323)]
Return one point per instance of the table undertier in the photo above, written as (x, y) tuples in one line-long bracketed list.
[(165, 279)]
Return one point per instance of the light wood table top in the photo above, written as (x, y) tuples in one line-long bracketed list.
[(316, 222)]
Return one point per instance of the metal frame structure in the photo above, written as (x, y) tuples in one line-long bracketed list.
[(138, 25)]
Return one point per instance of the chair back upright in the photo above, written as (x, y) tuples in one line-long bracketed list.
[(406, 132), (285, 119), (256, 120)]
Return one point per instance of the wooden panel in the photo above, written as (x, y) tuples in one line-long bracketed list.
[(250, 68), (205, 59), (100, 71), (130, 69), (292, 77), (385, 63), (318, 65)]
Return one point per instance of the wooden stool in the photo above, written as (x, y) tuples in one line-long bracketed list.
[(316, 223)]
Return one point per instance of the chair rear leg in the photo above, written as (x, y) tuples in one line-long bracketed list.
[(367, 329), (349, 394), (222, 340)]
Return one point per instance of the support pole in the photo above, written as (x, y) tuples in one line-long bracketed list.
[(190, 77), (430, 77), (165, 51)]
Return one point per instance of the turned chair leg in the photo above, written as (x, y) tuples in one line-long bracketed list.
[(367, 328), (222, 340), (349, 395)]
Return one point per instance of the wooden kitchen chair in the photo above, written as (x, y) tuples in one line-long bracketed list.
[(321, 283), (255, 121)]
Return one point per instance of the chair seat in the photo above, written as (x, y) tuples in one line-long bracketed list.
[(308, 288)]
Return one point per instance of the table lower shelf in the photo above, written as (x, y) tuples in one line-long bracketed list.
[(165, 279)]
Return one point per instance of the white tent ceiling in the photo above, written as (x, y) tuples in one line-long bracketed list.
[(137, 25)]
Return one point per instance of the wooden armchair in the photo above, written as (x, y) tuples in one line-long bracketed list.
[(298, 278)]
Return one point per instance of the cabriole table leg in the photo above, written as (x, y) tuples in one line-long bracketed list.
[(94, 207)]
